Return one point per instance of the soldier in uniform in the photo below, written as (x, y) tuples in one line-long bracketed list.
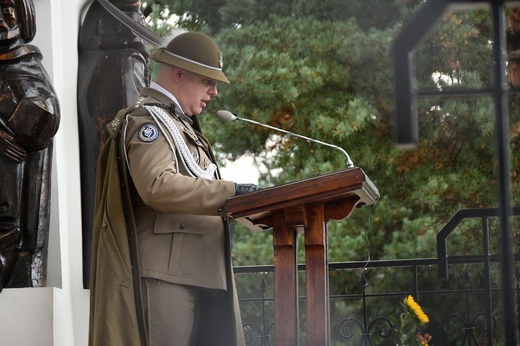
[(183, 249)]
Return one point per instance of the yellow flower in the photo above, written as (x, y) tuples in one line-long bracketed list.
[(415, 310)]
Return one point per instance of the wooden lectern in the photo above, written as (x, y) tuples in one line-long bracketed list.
[(305, 206)]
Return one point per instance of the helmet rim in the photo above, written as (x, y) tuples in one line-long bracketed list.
[(194, 52)]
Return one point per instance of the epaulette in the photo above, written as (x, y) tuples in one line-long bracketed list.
[(141, 100), (138, 103)]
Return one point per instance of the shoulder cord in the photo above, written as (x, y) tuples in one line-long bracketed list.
[(180, 144)]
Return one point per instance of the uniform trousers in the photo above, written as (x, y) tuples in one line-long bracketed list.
[(171, 312)]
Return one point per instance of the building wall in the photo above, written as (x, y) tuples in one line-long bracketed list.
[(56, 314)]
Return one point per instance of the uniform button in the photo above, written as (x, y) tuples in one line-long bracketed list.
[(181, 226)]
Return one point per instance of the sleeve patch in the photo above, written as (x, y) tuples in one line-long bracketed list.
[(148, 133)]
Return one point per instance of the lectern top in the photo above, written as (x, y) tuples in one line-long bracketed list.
[(351, 184)]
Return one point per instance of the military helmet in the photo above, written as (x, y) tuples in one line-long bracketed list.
[(194, 52)]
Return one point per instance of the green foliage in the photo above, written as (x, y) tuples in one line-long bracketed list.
[(253, 248), (297, 75), (216, 15)]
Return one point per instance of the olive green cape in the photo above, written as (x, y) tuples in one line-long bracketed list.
[(116, 316)]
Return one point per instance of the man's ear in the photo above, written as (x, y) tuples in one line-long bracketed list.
[(177, 74)]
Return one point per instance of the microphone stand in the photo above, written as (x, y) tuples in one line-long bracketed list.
[(350, 164)]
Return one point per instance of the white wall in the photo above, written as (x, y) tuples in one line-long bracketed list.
[(57, 314)]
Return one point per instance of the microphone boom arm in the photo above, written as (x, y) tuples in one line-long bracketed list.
[(350, 164)]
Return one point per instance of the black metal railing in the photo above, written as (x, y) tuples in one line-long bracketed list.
[(464, 308), (468, 324)]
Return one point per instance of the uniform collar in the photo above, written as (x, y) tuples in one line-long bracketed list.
[(161, 89)]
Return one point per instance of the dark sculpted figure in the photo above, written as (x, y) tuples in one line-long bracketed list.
[(29, 119), (113, 68)]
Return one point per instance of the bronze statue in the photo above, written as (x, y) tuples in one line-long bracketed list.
[(29, 119), (113, 68)]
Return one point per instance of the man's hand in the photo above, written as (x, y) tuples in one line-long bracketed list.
[(9, 149), (241, 189)]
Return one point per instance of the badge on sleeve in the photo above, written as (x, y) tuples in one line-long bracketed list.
[(148, 133)]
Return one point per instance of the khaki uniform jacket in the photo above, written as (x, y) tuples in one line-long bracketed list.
[(181, 236)]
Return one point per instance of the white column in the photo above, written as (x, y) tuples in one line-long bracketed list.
[(71, 302)]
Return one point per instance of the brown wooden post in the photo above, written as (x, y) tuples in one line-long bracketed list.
[(317, 278), (285, 281)]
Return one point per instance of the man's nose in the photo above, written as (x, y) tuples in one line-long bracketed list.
[(213, 90)]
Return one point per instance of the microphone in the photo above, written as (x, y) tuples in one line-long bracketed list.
[(226, 116)]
